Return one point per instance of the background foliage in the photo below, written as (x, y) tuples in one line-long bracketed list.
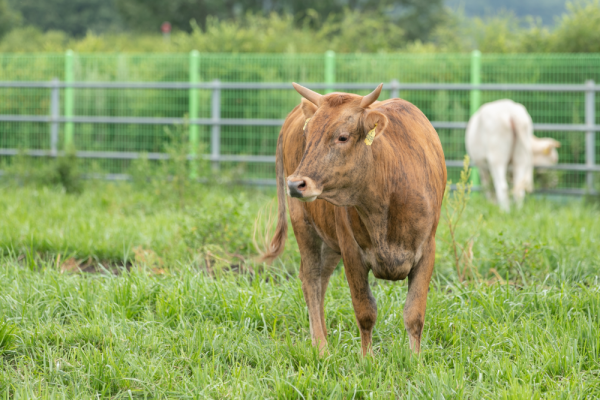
[(294, 26)]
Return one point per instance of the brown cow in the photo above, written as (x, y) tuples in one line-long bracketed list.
[(377, 175)]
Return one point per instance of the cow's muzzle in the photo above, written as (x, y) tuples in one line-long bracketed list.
[(304, 189)]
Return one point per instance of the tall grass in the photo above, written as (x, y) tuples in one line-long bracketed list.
[(177, 325)]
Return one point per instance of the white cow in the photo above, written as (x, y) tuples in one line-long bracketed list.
[(500, 134)]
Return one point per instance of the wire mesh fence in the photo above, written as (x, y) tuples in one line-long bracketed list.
[(266, 103)]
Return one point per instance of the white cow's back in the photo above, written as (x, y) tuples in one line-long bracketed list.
[(490, 136)]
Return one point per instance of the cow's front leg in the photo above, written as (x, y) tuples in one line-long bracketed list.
[(357, 274), (416, 299), (365, 307), (317, 264), (310, 275), (314, 274), (329, 260)]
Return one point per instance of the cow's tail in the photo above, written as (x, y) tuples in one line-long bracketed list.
[(272, 250), (522, 133)]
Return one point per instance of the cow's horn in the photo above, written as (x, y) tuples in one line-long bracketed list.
[(371, 97), (308, 94)]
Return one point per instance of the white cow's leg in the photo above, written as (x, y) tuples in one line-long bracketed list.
[(486, 183), (520, 183), (499, 176)]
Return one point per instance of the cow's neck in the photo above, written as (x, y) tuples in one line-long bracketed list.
[(374, 216), (373, 205), (391, 254)]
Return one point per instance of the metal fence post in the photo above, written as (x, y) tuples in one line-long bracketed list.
[(69, 98), (475, 80), (475, 100), (590, 136), (329, 70), (54, 115), (215, 135), (395, 90), (193, 113)]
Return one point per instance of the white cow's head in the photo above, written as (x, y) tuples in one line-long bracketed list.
[(544, 151)]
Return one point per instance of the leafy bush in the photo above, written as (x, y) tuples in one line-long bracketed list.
[(254, 33), (344, 32), (62, 171)]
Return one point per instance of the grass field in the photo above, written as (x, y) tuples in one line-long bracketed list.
[(178, 309)]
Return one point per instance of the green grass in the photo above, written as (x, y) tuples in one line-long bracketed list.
[(184, 333)]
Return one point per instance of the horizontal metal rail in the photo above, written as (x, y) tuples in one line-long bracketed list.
[(519, 87), (129, 155), (143, 120), (247, 122)]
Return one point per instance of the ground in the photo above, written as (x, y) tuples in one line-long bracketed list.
[(172, 305)]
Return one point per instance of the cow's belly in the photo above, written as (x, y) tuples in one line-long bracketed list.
[(392, 263), (390, 260)]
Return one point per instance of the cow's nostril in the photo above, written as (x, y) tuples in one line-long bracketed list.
[(297, 188)]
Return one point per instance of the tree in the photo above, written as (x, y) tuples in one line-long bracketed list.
[(148, 15), (417, 18), (9, 19), (74, 17), (577, 30)]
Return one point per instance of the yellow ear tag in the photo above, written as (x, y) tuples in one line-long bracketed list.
[(547, 151), (305, 123), (370, 136)]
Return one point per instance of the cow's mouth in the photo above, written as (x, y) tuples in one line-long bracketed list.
[(307, 199)]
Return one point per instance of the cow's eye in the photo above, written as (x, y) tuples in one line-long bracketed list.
[(343, 137)]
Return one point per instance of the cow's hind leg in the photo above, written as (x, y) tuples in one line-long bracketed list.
[(501, 186), (522, 181), (416, 299), (486, 183)]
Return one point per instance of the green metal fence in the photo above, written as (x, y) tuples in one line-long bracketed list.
[(438, 105)]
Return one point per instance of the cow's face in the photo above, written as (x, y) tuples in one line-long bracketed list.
[(544, 151), (336, 160)]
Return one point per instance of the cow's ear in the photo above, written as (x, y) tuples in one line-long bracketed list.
[(551, 144), (374, 125), (308, 108)]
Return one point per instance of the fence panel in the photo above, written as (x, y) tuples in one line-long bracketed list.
[(238, 103)]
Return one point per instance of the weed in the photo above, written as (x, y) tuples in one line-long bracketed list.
[(454, 206), (63, 171), (516, 259), (176, 177), (67, 172)]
